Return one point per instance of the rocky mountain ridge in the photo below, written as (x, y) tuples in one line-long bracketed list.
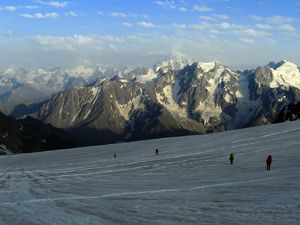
[(173, 99)]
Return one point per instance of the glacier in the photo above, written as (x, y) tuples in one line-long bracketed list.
[(190, 181)]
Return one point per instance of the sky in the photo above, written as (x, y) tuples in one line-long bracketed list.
[(238, 33)]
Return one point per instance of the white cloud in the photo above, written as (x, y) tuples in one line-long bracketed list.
[(171, 4), (125, 15), (113, 47), (251, 32), (182, 9), (247, 41), (126, 24), (159, 3), (201, 26), (222, 17), (226, 26), (281, 24), (202, 8), (179, 26), (256, 18), (63, 42), (287, 28), (166, 4), (117, 14), (264, 26), (215, 17), (55, 4), (213, 31), (284, 28), (279, 19), (145, 24), (29, 7), (14, 8), (109, 38), (255, 33), (71, 13), (10, 8), (141, 49), (275, 20), (207, 18), (52, 15)]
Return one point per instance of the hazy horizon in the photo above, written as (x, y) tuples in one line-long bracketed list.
[(66, 34)]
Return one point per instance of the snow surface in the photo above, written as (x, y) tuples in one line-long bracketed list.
[(189, 182)]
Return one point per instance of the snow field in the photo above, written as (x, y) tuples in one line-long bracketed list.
[(189, 182)]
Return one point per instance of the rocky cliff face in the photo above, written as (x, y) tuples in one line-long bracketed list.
[(175, 97), (274, 87)]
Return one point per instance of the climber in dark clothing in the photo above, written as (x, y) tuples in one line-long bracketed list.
[(231, 158), (269, 162), (156, 151)]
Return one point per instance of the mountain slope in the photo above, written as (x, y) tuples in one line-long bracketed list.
[(30, 135)]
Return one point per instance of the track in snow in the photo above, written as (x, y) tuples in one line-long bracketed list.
[(189, 182)]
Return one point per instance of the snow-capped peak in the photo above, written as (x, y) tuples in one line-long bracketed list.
[(176, 61), (285, 73), (207, 66), (275, 65)]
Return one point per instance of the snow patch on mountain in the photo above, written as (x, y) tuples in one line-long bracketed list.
[(4, 150), (168, 99), (285, 74), (95, 90), (151, 75), (208, 111), (7, 82), (127, 108)]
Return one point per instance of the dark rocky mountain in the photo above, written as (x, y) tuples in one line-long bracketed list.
[(289, 113), (175, 97), (31, 135)]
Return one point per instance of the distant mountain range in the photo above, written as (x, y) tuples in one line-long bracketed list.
[(175, 97), (22, 86)]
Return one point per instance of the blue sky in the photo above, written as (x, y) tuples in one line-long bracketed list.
[(238, 33)]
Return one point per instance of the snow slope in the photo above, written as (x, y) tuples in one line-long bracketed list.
[(189, 182)]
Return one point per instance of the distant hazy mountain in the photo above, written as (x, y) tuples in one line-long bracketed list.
[(47, 81), (22, 87), (13, 93), (175, 97)]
